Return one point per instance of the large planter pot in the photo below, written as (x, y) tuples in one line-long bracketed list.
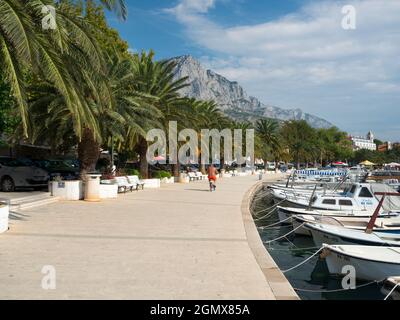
[(168, 180), (4, 212), (67, 190), (108, 191), (152, 183), (184, 178)]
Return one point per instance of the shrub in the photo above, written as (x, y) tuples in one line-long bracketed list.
[(132, 172), (161, 175)]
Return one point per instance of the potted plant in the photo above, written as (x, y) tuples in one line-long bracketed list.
[(165, 177), (4, 213), (66, 190)]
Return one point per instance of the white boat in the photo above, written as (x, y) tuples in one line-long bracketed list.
[(324, 233), (370, 263), (383, 224), (321, 175), (391, 288), (394, 183), (281, 194), (359, 196), (285, 213), (4, 213), (357, 174)]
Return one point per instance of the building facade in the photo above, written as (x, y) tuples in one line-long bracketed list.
[(364, 142), (385, 147)]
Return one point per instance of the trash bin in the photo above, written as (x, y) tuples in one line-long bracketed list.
[(183, 178), (92, 187)]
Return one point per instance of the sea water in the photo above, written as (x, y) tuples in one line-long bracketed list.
[(312, 279)]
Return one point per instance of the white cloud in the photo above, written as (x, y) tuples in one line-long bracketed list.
[(187, 7), (307, 54)]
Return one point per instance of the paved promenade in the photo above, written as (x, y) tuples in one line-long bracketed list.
[(178, 242)]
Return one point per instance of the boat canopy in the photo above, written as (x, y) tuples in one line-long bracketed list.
[(390, 203)]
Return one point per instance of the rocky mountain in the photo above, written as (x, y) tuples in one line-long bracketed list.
[(232, 98)]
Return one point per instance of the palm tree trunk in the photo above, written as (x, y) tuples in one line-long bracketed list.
[(144, 165), (176, 170), (222, 163), (297, 160), (88, 152)]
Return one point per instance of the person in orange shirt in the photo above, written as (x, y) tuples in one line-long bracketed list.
[(212, 177)]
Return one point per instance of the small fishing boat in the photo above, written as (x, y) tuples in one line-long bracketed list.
[(304, 190), (380, 175), (315, 174), (383, 224), (323, 233), (391, 288), (370, 263), (394, 183), (359, 196), (331, 234), (281, 194), (285, 213)]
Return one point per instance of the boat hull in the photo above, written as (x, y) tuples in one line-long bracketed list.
[(322, 237), (285, 214), (365, 269), (300, 231), (392, 286), (298, 220)]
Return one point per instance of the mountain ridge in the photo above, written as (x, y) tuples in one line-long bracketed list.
[(230, 96)]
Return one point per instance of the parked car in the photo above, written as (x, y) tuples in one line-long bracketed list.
[(271, 166), (20, 174), (65, 169)]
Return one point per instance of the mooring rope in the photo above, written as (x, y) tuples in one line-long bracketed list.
[(293, 249), (391, 292), (267, 209), (284, 236), (274, 224), (269, 214), (262, 196), (338, 290), (305, 261), (276, 228)]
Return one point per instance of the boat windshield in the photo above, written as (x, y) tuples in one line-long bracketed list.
[(352, 189), (365, 193)]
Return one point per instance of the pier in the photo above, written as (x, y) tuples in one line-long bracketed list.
[(177, 242)]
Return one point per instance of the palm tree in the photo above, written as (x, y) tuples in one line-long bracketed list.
[(24, 46), (244, 126), (201, 115), (117, 6), (156, 79), (268, 138), (299, 137), (124, 111)]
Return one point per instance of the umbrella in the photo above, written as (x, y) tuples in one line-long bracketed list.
[(159, 158), (393, 164), (339, 163), (367, 163)]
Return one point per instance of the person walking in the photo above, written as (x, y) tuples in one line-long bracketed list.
[(212, 177)]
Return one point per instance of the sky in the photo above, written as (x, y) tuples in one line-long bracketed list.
[(287, 53)]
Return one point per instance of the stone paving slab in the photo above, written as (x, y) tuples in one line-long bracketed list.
[(178, 242)]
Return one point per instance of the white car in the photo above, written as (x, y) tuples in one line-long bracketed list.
[(271, 166), (17, 174)]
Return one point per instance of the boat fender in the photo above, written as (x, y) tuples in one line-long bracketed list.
[(325, 253)]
